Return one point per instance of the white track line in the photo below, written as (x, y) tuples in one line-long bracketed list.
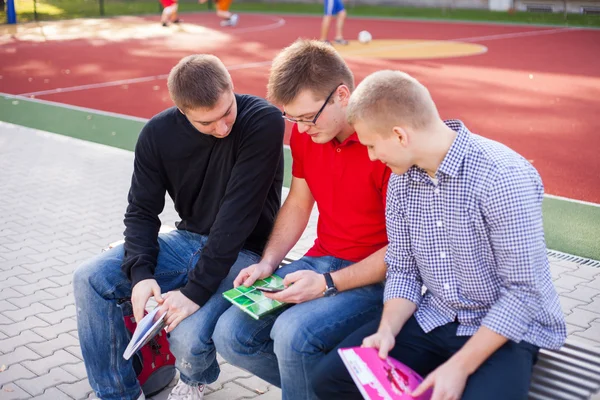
[(586, 203), (132, 81), (279, 22), (265, 63)]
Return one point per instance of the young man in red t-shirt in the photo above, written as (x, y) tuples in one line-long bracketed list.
[(337, 284)]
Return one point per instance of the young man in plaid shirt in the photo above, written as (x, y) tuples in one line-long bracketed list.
[(464, 220)]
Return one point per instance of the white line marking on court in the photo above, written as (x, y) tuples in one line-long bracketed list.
[(132, 81), (279, 22), (586, 203), (265, 63)]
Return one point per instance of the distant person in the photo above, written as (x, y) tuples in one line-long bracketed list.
[(334, 7), (228, 19), (169, 13)]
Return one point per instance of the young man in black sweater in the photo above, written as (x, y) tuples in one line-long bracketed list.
[(219, 156)]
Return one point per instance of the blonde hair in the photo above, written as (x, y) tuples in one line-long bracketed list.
[(198, 81), (390, 98), (307, 64)]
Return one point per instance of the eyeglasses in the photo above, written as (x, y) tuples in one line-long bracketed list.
[(317, 115)]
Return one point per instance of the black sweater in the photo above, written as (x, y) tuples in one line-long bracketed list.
[(228, 189)]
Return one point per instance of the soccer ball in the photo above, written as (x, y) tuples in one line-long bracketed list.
[(364, 37)]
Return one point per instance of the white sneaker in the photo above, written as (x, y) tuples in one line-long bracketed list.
[(186, 392), (232, 21)]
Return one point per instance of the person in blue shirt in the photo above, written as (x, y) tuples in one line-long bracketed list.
[(334, 7), (464, 222)]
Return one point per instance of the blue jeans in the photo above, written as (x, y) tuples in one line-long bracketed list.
[(99, 283), (504, 375), (283, 348)]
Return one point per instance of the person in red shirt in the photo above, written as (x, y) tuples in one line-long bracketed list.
[(169, 13), (337, 285)]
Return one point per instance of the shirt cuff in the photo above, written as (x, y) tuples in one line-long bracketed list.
[(509, 317), (139, 274), (397, 287), (197, 293)]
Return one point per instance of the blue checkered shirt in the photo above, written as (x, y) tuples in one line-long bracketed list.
[(475, 241)]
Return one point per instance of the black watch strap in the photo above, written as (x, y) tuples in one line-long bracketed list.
[(328, 280)]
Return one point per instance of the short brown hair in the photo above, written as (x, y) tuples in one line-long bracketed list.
[(391, 97), (198, 81), (307, 64)]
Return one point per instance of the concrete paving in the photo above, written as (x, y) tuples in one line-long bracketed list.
[(62, 201)]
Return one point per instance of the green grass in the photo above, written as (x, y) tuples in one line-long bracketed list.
[(570, 227), (63, 9)]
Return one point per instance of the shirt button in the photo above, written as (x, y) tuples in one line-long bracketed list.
[(443, 254), (439, 223), (446, 286), (338, 149), (436, 191)]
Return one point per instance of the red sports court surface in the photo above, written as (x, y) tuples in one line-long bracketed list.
[(536, 89)]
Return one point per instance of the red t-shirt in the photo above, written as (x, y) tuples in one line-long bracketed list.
[(350, 192), (167, 3)]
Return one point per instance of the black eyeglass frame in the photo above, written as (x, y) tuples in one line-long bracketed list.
[(317, 115)]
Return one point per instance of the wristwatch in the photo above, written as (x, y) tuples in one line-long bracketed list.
[(330, 289)]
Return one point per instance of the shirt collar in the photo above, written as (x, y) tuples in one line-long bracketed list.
[(454, 158), (457, 152), (349, 140)]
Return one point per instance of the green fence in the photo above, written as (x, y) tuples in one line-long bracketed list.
[(42, 10)]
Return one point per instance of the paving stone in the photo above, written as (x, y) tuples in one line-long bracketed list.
[(62, 280), (583, 293), (15, 328), (13, 373), (592, 333), (38, 385), (54, 253), (595, 283), (15, 271), (77, 369), (568, 264), (581, 317), (75, 350), (228, 373), (231, 391), (43, 365), (557, 270), (31, 288), (33, 277), (7, 306), (9, 293), (55, 317), (568, 304), (60, 291), (22, 313), (78, 390), (11, 391), (50, 332), (585, 272), (25, 252), (594, 306), (52, 394), (26, 301), (47, 347), (254, 384), (60, 303), (25, 337), (18, 355), (569, 281)]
